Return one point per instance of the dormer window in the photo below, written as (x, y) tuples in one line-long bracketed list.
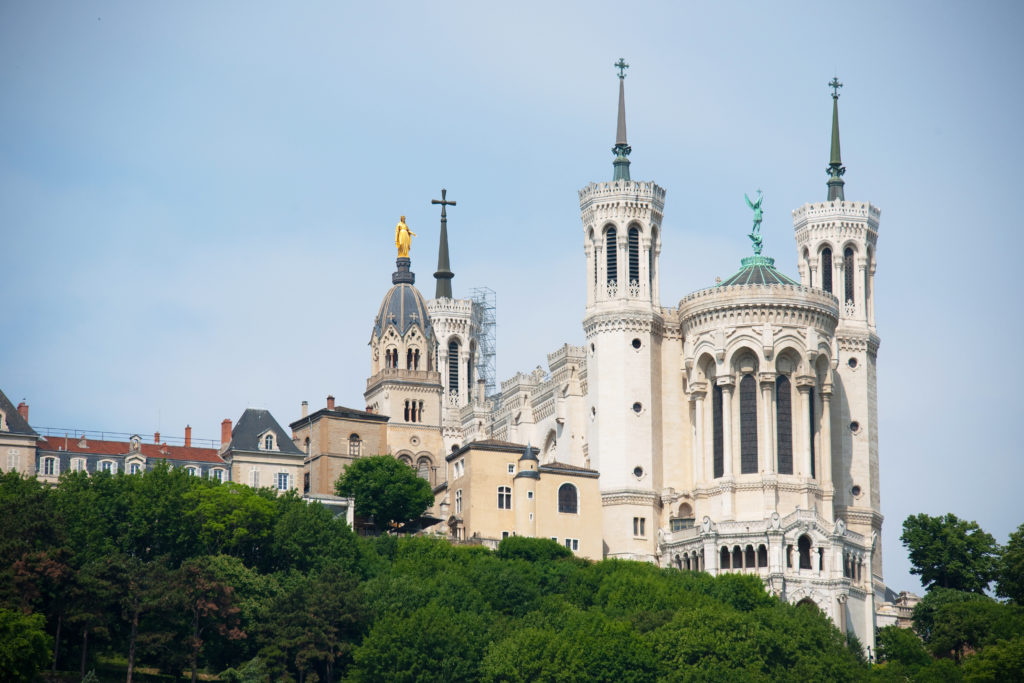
[(268, 442)]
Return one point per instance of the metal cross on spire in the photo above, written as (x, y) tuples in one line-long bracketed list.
[(835, 85), (444, 272), (621, 66)]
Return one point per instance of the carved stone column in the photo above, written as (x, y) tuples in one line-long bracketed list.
[(698, 391), (804, 383), (767, 457), (826, 435), (727, 384)]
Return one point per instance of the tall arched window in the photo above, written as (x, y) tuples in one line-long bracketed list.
[(848, 273), (469, 371), (423, 468), (634, 255), (716, 431), (650, 262), (353, 445), (611, 255), (784, 424), (748, 425), (803, 545), (826, 269), (568, 499), (453, 366), (416, 359)]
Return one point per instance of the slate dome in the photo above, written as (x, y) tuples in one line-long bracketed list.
[(403, 306)]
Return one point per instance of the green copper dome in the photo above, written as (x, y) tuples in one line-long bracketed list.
[(758, 270)]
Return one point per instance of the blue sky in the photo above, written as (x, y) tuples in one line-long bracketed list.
[(197, 200)]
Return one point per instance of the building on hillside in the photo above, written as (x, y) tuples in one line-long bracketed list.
[(260, 453), (17, 438), (499, 489)]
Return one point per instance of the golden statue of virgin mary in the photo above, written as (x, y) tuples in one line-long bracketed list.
[(403, 238)]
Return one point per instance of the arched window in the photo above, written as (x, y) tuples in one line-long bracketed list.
[(423, 468), (458, 502), (749, 558), (784, 424), (634, 255), (415, 359), (353, 445), (748, 425), (762, 556), (406, 414), (453, 367), (268, 442), (803, 545), (469, 371), (504, 497), (848, 273), (737, 557), (723, 559), (826, 269), (650, 262), (611, 255), (568, 499), (717, 441), (136, 468)]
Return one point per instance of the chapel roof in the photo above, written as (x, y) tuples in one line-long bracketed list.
[(758, 270), (403, 306)]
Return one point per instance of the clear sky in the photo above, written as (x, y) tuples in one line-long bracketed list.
[(197, 200)]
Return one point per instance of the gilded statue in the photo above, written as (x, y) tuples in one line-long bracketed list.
[(403, 238)]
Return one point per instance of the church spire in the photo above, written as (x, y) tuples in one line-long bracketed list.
[(835, 168), (621, 148), (444, 272)]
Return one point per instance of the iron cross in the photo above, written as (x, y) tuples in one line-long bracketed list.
[(621, 66), (835, 85), (443, 202)]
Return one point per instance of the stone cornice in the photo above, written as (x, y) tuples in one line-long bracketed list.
[(619, 321), (629, 497), (794, 305)]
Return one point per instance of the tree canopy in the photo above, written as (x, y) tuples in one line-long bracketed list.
[(385, 490), (949, 552)]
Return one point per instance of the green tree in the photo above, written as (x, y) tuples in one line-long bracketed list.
[(950, 552), (531, 549), (895, 644), (1002, 662), (1010, 570), (24, 645), (385, 490)]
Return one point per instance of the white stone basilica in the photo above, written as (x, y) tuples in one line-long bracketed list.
[(733, 432)]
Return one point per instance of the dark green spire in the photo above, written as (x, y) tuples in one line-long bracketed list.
[(621, 148), (444, 272), (835, 168)]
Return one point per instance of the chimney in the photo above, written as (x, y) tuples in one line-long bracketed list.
[(188, 436), (225, 432), (305, 408), (330, 403), (156, 437), (23, 410)]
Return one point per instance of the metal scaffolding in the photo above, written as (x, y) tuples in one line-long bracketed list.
[(484, 316)]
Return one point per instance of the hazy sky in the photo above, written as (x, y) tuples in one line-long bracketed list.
[(197, 200)]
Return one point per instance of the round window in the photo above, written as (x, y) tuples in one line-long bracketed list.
[(638, 472), (637, 407), (852, 363), (414, 440), (855, 426), (855, 490), (636, 344)]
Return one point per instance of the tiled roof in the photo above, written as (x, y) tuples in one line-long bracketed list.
[(254, 423), (566, 466), (16, 424), (342, 412), (72, 444)]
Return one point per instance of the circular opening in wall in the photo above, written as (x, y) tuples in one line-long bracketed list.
[(638, 472), (414, 440), (852, 363), (855, 426), (455, 447), (855, 491), (637, 407), (636, 343)]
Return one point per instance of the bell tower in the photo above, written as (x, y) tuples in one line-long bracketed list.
[(836, 242), (624, 328)]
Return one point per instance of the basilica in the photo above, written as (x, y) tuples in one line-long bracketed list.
[(730, 429)]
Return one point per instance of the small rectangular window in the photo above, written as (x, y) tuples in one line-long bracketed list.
[(640, 526), (511, 468), (218, 475), (504, 534), (282, 481), (572, 544), (529, 494), (107, 466)]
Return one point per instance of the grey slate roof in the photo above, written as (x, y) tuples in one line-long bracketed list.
[(16, 424), (342, 412), (403, 307), (255, 422), (758, 270)]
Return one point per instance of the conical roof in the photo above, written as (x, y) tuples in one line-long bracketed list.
[(758, 270)]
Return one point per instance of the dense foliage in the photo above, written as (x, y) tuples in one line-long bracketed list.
[(179, 574), (385, 490), (949, 552)]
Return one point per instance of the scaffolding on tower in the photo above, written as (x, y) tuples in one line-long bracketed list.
[(484, 316)]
